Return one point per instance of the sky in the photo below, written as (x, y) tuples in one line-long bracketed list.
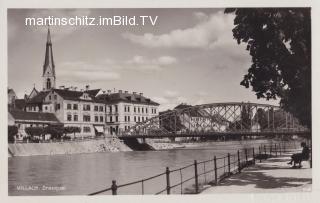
[(188, 56)]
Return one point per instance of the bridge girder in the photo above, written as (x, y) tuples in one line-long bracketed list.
[(217, 118)]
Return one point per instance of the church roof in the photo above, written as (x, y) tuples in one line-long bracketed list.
[(126, 97)]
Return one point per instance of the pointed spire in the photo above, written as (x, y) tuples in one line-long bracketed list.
[(48, 66), (48, 36)]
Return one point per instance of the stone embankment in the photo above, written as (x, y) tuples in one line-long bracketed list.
[(71, 147), (163, 145)]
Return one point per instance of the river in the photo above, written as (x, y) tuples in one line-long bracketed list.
[(81, 174)]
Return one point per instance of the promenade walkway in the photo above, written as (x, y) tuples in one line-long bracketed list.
[(272, 175)]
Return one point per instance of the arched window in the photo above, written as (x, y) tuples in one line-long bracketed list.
[(48, 83)]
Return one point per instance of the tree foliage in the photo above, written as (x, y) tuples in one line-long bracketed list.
[(262, 118), (171, 122), (56, 132), (12, 131), (34, 131), (71, 129), (279, 42), (246, 116)]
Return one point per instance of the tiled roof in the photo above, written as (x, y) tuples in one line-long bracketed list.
[(190, 111), (65, 94), (92, 93), (69, 94), (75, 95), (38, 98), (33, 116), (125, 97)]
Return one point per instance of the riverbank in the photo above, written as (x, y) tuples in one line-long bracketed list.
[(114, 145), (272, 175), (72, 147)]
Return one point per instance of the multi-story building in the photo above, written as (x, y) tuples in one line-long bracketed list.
[(72, 108), (124, 109)]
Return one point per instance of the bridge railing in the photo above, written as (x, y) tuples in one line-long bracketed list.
[(194, 177), (224, 132)]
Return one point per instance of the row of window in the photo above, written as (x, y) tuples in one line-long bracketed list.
[(86, 107), (127, 119), (54, 97), (135, 109), (86, 118), (115, 108), (139, 119), (32, 108)]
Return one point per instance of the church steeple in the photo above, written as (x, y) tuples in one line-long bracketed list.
[(49, 75)]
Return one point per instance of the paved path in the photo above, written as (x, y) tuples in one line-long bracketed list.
[(272, 175)]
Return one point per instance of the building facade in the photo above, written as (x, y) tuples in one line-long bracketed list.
[(124, 110), (72, 108), (23, 119)]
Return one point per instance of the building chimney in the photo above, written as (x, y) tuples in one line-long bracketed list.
[(109, 91), (87, 87), (103, 91), (141, 94), (134, 92), (120, 91), (126, 92)]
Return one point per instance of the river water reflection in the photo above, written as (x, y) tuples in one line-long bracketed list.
[(81, 174)]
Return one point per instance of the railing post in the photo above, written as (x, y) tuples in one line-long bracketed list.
[(265, 150), (280, 149), (246, 154), (275, 149), (270, 149), (114, 187), (239, 164), (284, 148), (215, 170), (196, 176), (253, 156), (168, 180), (229, 171)]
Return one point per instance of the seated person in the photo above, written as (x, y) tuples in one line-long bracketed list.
[(299, 157)]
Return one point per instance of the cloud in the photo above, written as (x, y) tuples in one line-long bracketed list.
[(203, 35), (171, 94), (169, 100), (144, 64), (108, 69), (84, 72)]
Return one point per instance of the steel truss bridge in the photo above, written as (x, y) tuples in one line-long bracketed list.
[(219, 119)]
